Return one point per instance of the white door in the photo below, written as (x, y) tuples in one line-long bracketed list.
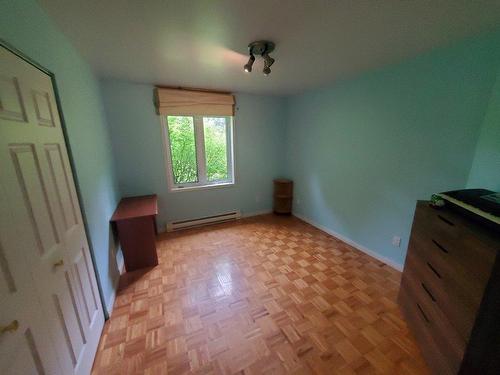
[(45, 220)]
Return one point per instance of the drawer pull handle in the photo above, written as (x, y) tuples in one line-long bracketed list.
[(446, 220), (423, 314), (440, 246), (433, 270), (428, 292)]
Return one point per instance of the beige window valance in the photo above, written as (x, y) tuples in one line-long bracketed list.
[(178, 102)]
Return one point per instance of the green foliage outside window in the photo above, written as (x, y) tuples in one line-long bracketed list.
[(183, 149), (181, 131), (215, 148)]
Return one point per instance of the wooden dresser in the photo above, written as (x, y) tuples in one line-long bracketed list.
[(450, 291)]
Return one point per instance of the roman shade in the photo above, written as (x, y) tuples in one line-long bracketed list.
[(178, 102)]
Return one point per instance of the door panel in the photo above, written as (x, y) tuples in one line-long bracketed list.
[(41, 198), (82, 273), (30, 183), (43, 108), (11, 105), (25, 357), (61, 183), (77, 310), (68, 322)]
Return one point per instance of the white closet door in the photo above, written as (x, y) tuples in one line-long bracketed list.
[(40, 193)]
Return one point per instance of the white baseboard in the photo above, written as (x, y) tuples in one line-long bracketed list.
[(111, 302), (373, 254), (256, 213)]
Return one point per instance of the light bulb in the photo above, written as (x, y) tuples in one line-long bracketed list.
[(248, 65)]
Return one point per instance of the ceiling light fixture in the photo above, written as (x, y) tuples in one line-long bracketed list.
[(260, 48)]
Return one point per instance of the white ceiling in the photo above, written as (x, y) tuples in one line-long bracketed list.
[(203, 43)]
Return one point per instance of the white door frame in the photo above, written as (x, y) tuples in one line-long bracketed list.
[(52, 76)]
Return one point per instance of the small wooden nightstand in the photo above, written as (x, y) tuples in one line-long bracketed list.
[(283, 196)]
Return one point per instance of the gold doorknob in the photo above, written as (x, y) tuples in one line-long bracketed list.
[(13, 326), (59, 263)]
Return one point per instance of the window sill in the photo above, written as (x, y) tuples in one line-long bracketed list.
[(201, 187)]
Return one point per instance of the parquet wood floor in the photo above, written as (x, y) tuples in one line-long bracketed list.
[(264, 295)]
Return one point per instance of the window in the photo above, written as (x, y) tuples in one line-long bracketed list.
[(199, 151)]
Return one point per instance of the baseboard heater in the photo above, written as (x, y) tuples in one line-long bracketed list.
[(207, 220)]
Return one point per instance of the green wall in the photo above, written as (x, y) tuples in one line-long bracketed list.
[(25, 26), (485, 171), (363, 151), (137, 144)]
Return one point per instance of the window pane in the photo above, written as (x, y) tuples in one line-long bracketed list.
[(182, 149), (215, 132)]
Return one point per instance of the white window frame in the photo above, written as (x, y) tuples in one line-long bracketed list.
[(203, 182)]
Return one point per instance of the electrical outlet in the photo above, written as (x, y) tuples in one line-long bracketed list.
[(396, 241), (257, 198), (297, 201)]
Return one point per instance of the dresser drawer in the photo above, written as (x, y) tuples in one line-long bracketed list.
[(453, 240), (460, 292), (446, 288), (421, 328), (431, 304), (456, 261)]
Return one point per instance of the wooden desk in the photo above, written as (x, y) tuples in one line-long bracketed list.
[(135, 220)]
